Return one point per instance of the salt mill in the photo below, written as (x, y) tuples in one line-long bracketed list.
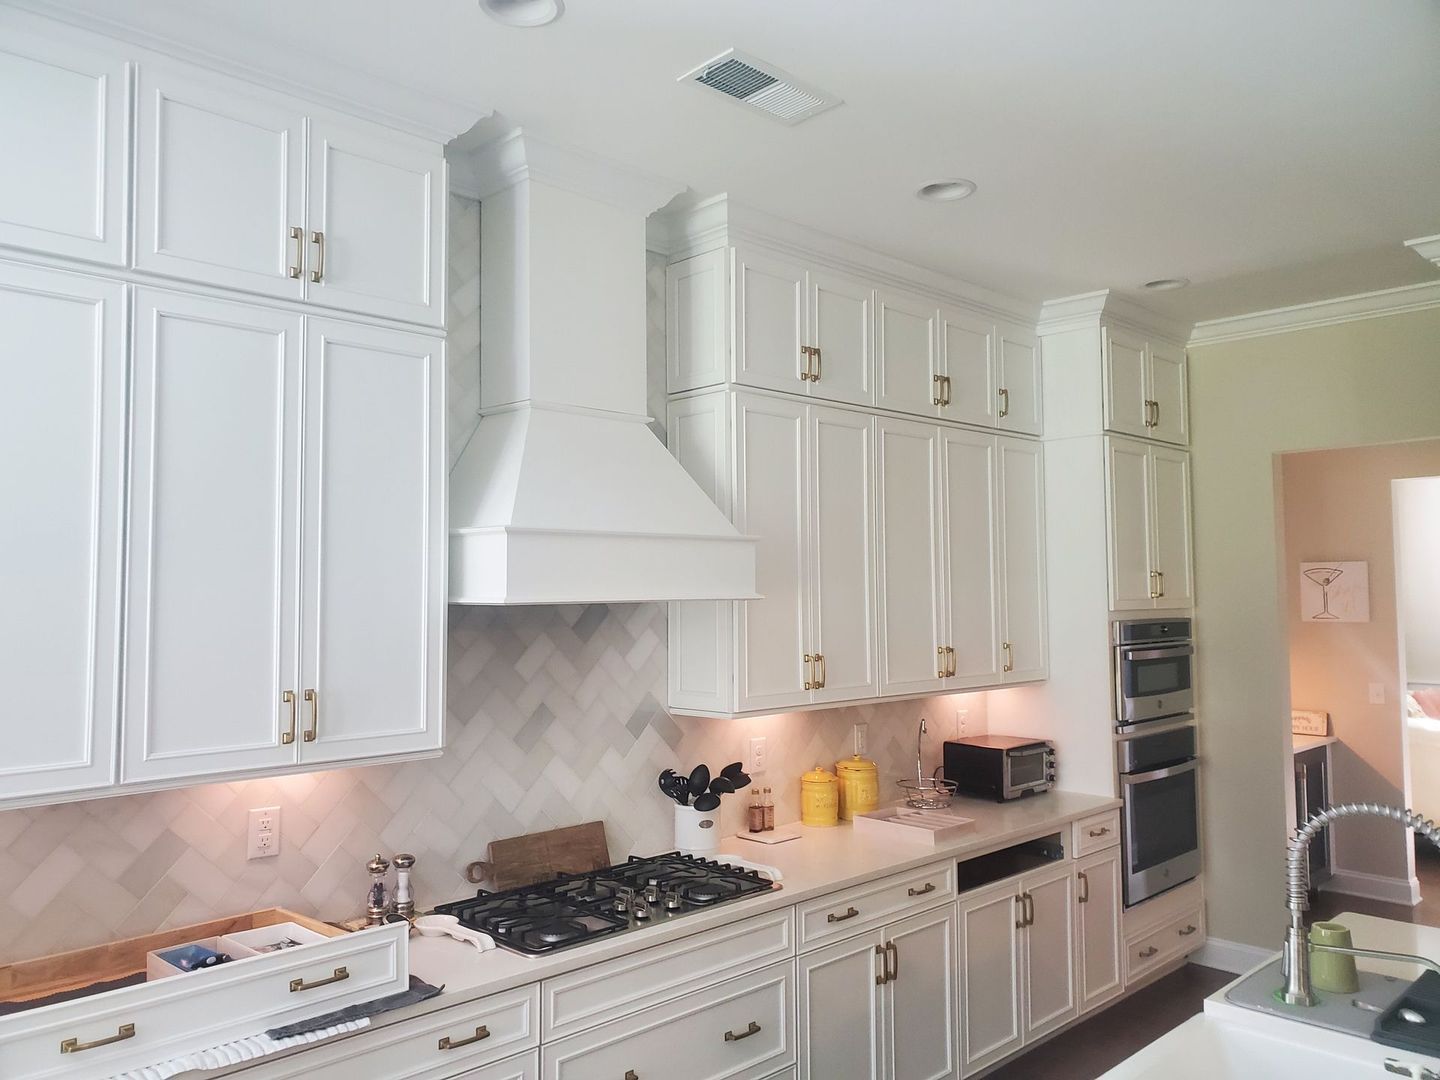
[(404, 893), (378, 905)]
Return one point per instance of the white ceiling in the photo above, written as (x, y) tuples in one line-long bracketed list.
[(1273, 152)]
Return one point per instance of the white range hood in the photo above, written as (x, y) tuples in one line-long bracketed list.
[(564, 494)]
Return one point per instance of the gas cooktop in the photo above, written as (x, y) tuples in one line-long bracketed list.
[(577, 908)]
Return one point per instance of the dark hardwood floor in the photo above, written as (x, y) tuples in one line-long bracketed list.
[(1108, 1038), (1326, 905)]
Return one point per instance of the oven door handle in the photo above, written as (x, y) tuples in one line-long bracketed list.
[(1130, 779), (1165, 653)]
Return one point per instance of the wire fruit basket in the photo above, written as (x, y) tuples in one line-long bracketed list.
[(927, 793)]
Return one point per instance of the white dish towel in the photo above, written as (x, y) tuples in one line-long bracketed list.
[(234, 1052)]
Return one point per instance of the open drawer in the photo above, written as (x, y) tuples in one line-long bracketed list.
[(133, 1026)]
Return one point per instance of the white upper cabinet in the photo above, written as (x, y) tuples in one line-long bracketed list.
[(907, 376), (375, 222), (1022, 495), (64, 188), (770, 310), (697, 321), (840, 315), (220, 178), (1145, 387), (213, 575), (971, 532), (967, 369), (1149, 520), (373, 601), (62, 415), (1017, 380)]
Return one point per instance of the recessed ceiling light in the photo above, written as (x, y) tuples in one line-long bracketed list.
[(524, 12), (1165, 284), (947, 190)]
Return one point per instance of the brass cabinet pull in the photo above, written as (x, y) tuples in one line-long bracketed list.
[(850, 913), (947, 390), (1156, 406), (297, 985), (1145, 954), (481, 1032), (810, 352), (809, 675), (1189, 929), (1103, 830), (751, 1028), (950, 652), (1160, 578), (929, 888), (1149, 413), (816, 354), (893, 951), (1005, 402), (1009, 656), (939, 398), (74, 1046), (820, 682), (940, 652), (1020, 922), (318, 239), (1029, 908), (884, 976), (298, 235), (288, 697), (1084, 897), (314, 729), (1154, 594)]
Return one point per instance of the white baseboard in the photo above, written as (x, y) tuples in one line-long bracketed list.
[(1374, 887), (1233, 956)]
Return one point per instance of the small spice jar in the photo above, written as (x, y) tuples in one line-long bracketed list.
[(819, 798), (859, 786)]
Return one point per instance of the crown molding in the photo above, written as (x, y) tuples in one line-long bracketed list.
[(344, 89), (1341, 309), (1427, 247), (1086, 310)]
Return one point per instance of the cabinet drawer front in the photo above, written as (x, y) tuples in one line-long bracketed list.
[(866, 906), (740, 1030), (188, 1012), (593, 995), (413, 1050), (1097, 832), (1179, 937)]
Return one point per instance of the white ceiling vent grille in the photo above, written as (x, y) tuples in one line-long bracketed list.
[(761, 86)]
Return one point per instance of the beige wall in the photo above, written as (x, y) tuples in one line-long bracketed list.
[(1353, 384), (1417, 531), (1338, 506)]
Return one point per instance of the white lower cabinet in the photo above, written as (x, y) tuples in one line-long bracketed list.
[(1098, 905), (739, 1029), (881, 1004)]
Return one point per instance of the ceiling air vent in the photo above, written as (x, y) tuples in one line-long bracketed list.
[(761, 86)]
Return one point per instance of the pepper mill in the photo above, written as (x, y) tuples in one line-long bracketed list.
[(378, 906), (404, 894)]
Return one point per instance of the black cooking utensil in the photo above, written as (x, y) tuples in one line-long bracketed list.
[(721, 785), (707, 802), (699, 779), (734, 769)]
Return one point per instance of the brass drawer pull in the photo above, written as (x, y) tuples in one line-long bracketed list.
[(481, 1032), (318, 239), (288, 698), (298, 235), (74, 1046), (1084, 897), (751, 1028), (314, 729), (1187, 931), (850, 913), (1104, 830), (296, 985), (1146, 954), (929, 888)]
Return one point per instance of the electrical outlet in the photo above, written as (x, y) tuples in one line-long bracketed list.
[(860, 732), (962, 723), (756, 763), (1377, 693), (263, 835)]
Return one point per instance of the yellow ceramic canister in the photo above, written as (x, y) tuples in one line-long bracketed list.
[(859, 786), (819, 798)]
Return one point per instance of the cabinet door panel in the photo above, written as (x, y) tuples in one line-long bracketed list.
[(70, 195), (770, 503), (905, 343), (1049, 950), (1125, 383), (219, 179), (967, 352), (840, 310), (1169, 392), (1019, 377), (1171, 479), (910, 585), (1128, 499), (1022, 493), (970, 467), (62, 415), (990, 984), (373, 604), (1098, 907), (839, 1029), (379, 201), (842, 454), (769, 321), (920, 1013), (212, 580)]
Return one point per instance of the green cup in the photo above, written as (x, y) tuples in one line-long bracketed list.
[(1330, 971)]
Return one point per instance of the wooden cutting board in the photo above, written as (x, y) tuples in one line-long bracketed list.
[(524, 860)]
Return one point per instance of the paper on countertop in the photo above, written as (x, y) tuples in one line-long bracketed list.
[(235, 1052)]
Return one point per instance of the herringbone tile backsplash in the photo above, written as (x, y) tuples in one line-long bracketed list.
[(555, 716)]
